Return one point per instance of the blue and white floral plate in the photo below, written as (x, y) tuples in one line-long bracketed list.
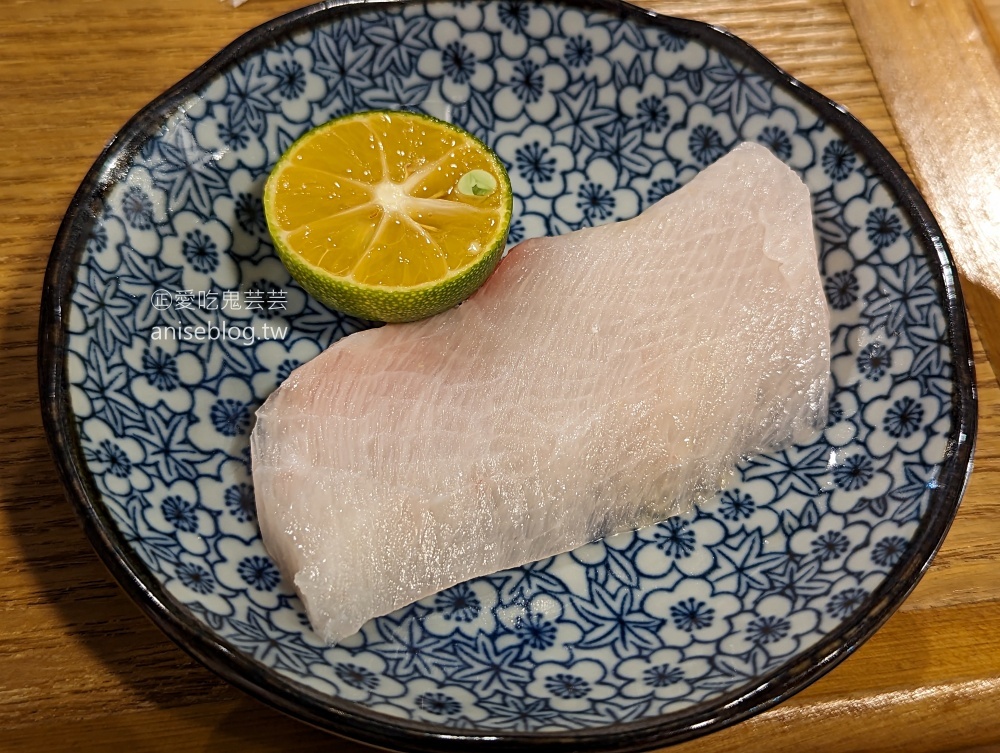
[(640, 640)]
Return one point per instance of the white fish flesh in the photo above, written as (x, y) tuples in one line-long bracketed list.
[(598, 382)]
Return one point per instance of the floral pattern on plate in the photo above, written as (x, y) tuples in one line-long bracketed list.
[(597, 114)]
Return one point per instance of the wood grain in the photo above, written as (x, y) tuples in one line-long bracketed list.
[(937, 64), (82, 670)]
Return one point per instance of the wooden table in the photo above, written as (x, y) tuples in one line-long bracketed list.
[(81, 669)]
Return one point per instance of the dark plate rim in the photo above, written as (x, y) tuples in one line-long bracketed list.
[(350, 719)]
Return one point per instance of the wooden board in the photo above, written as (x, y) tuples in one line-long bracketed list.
[(937, 63)]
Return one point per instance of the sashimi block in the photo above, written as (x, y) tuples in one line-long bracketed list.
[(599, 381)]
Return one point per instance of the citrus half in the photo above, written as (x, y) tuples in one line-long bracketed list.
[(389, 216)]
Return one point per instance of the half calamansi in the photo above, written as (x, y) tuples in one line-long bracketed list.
[(389, 216)]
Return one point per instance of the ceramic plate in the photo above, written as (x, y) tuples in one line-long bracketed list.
[(598, 110)]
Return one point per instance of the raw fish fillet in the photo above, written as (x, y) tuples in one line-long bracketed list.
[(598, 382)]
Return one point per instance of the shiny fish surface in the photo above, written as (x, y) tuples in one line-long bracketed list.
[(599, 381)]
